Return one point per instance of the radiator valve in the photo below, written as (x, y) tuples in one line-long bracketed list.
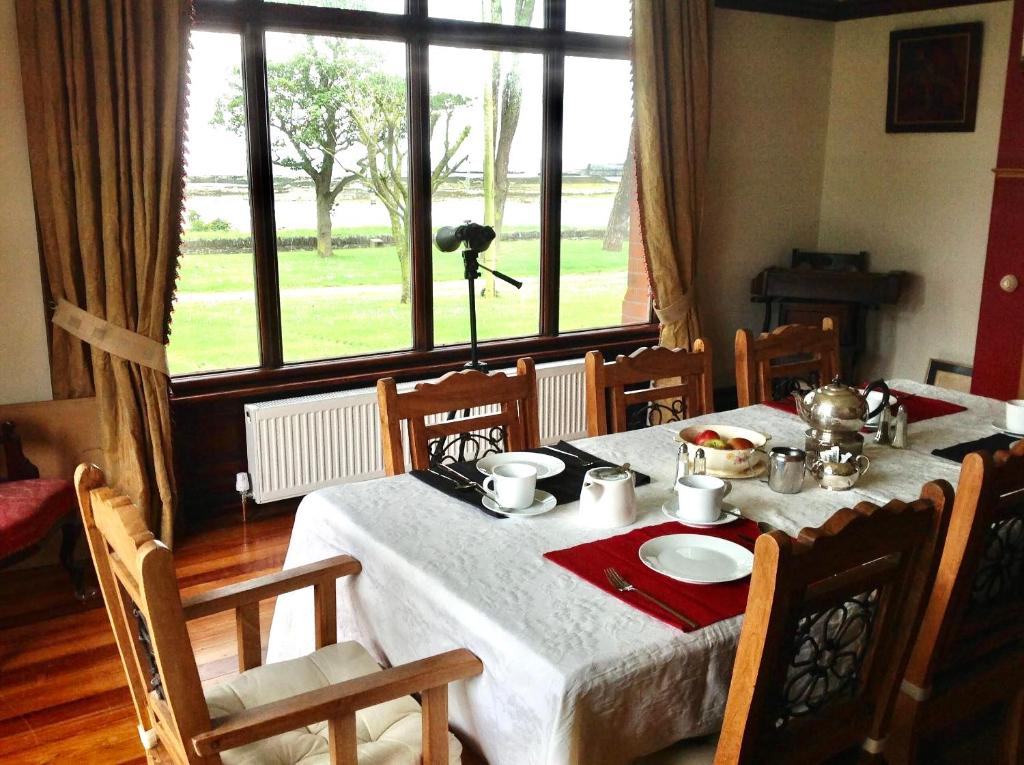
[(244, 492)]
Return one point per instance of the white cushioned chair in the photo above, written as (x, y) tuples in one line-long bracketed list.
[(334, 705)]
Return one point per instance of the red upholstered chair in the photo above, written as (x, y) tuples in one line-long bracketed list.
[(30, 507)]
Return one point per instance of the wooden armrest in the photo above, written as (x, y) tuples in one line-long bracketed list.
[(269, 586), (336, 700)]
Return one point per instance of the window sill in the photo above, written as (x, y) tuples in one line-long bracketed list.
[(366, 370)]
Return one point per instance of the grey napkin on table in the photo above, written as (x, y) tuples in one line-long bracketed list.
[(957, 452)]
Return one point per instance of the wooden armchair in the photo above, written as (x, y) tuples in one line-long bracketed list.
[(831, 618), (329, 703), (971, 644), (30, 507), (769, 367), (686, 392), (511, 425)]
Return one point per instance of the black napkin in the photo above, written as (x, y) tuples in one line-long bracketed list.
[(957, 452), (565, 486)]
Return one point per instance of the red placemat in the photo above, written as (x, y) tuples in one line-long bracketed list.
[(703, 603), (918, 407)]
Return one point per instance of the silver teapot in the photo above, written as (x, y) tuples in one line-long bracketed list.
[(838, 408)]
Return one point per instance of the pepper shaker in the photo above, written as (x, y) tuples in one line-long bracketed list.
[(899, 435), (700, 465), (682, 463), (882, 434)]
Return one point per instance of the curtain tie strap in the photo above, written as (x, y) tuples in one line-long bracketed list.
[(677, 311), (108, 337)]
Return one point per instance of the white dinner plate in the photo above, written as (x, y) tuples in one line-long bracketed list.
[(546, 465), (697, 559), (671, 509), (1000, 425), (542, 502)]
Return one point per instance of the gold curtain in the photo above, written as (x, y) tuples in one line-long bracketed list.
[(672, 99), (104, 84)]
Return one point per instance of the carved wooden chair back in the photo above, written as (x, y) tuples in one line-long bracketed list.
[(972, 635), (830, 620), (769, 367), (513, 426), (140, 591), (679, 387)]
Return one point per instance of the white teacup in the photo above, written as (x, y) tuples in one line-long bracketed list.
[(700, 497), (1015, 415), (512, 485)]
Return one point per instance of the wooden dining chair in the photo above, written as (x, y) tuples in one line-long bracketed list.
[(771, 366), (830, 621), (442, 426), (335, 704), (678, 387), (969, 655)]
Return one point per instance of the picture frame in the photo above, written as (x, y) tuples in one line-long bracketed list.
[(949, 375), (933, 79)]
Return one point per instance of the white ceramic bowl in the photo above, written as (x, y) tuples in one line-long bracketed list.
[(726, 460)]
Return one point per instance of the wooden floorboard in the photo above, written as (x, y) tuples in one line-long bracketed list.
[(63, 697)]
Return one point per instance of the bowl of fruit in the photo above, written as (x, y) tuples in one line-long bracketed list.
[(728, 450)]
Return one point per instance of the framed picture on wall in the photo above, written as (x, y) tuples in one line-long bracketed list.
[(933, 79)]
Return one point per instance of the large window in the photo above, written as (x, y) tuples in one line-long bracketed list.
[(327, 141)]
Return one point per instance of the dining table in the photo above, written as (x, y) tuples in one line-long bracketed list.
[(572, 674)]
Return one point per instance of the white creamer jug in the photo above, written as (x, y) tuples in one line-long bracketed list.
[(608, 499)]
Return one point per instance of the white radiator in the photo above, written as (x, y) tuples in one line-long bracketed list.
[(296, 445)]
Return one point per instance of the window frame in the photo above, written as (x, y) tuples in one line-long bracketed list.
[(251, 19)]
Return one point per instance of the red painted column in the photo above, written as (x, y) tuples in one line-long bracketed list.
[(1000, 344)]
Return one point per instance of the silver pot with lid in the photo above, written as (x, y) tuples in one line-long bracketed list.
[(838, 408)]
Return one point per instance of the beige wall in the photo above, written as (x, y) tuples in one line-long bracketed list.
[(770, 92), (916, 202), (24, 367)]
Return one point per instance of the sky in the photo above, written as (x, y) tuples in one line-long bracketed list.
[(597, 94)]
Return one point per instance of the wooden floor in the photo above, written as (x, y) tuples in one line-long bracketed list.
[(63, 696)]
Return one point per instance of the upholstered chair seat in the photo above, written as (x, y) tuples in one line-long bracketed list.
[(30, 509), (389, 733)]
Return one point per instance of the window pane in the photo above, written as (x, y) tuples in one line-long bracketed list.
[(381, 6), (214, 319), (476, 93), (519, 13), (339, 140), (606, 17), (596, 286)]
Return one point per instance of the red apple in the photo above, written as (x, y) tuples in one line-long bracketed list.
[(715, 443), (706, 435), (739, 442)]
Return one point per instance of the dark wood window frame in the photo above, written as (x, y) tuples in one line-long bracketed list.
[(251, 19)]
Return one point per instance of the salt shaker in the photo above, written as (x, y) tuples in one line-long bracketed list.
[(899, 434), (682, 463), (882, 434), (700, 465)]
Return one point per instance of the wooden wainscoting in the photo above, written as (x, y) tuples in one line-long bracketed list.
[(63, 695)]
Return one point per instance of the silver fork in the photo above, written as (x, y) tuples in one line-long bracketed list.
[(616, 580), (464, 484)]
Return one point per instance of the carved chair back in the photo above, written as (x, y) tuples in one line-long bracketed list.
[(464, 435), (769, 367), (974, 620), (140, 591), (830, 620), (679, 387), (14, 466)]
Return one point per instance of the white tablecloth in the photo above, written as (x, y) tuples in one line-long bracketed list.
[(571, 675)]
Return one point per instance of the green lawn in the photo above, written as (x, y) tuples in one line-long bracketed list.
[(211, 331)]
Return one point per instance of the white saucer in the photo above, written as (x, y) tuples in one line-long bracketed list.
[(671, 508), (1001, 427), (697, 558), (545, 464), (542, 502)]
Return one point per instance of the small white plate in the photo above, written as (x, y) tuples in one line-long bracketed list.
[(546, 465), (696, 558), (671, 509), (1000, 425), (542, 502)]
